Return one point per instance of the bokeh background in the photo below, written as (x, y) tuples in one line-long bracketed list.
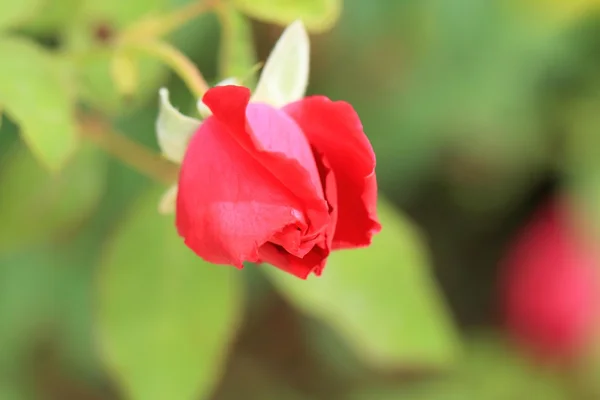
[(481, 112)]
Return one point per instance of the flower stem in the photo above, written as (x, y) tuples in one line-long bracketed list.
[(126, 150), (175, 59), (156, 26)]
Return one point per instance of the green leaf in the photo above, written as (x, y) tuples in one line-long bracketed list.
[(237, 55), (317, 15), (36, 206), (382, 299), (28, 302), (52, 16), (285, 76), (12, 13), (588, 369), (17, 389), (76, 326), (165, 317), (99, 89), (582, 161), (97, 86), (30, 289), (490, 369), (494, 369), (33, 92), (553, 15), (119, 14), (250, 379)]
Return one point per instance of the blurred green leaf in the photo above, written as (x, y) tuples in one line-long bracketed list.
[(34, 94), (28, 302), (459, 73), (334, 355), (248, 379), (553, 14), (124, 72), (76, 335), (12, 13), (98, 88), (381, 299), (166, 318), (582, 161), (237, 55), (490, 370), (52, 16), (29, 307), (92, 50), (97, 24), (588, 370), (494, 369), (118, 14), (11, 390), (36, 206), (317, 15)]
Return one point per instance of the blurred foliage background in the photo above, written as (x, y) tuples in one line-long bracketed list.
[(479, 112)]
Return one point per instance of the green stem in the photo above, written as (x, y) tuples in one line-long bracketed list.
[(177, 61), (153, 27), (128, 151)]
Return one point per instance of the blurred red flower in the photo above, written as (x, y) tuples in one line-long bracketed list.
[(282, 186), (550, 286)]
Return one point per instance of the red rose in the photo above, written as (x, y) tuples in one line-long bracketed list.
[(550, 291), (282, 186)]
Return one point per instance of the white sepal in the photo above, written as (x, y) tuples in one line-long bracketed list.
[(173, 129), (168, 200), (285, 76)]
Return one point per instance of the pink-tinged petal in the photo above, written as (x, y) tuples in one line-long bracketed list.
[(334, 129), (229, 205), (276, 132), (276, 142)]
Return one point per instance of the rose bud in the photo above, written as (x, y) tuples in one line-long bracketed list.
[(270, 177), (550, 286), (278, 185)]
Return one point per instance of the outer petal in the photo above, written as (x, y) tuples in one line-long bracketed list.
[(228, 204), (203, 109), (238, 191), (275, 141), (301, 267), (334, 129)]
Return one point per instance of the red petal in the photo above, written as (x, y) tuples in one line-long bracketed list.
[(334, 129), (277, 143), (228, 205), (315, 260), (301, 267), (331, 194), (238, 189)]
